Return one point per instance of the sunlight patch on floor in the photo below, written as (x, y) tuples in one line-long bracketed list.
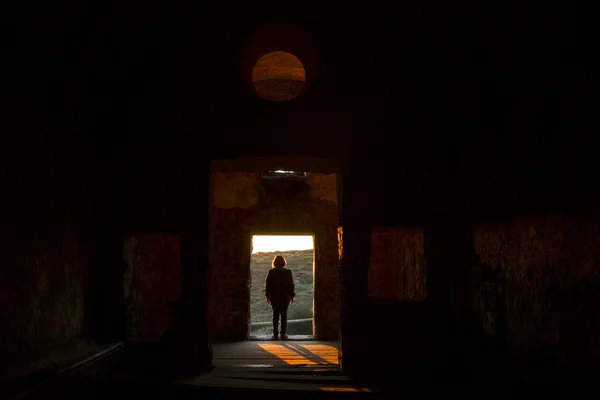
[(327, 353), (303, 354), (339, 389), (285, 354)]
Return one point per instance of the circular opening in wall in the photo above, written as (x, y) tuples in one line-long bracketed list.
[(278, 76)]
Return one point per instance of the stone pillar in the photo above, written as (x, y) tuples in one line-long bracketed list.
[(106, 319), (449, 252), (188, 342), (448, 244), (354, 263), (193, 317)]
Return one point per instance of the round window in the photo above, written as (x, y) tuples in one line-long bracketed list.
[(278, 76)]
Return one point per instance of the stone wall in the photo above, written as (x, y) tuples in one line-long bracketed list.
[(537, 287), (42, 300), (244, 205), (397, 270), (152, 279)]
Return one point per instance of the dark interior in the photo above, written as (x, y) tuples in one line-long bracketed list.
[(467, 130)]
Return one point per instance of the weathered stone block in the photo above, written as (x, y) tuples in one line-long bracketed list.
[(536, 286), (155, 280), (41, 293), (397, 270)]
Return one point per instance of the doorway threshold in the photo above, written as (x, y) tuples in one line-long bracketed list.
[(294, 338)]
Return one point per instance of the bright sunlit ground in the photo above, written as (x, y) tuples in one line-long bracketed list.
[(270, 243)]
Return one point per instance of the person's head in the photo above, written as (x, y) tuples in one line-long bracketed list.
[(279, 261)]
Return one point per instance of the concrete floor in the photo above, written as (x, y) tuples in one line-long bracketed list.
[(264, 368), (276, 354), (296, 365)]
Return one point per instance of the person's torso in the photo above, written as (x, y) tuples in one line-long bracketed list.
[(281, 282)]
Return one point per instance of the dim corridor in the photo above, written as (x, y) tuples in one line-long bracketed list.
[(270, 369), (436, 157)]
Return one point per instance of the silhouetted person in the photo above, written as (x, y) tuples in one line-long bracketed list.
[(279, 289)]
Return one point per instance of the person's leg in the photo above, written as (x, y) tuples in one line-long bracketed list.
[(276, 313), (284, 310)]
